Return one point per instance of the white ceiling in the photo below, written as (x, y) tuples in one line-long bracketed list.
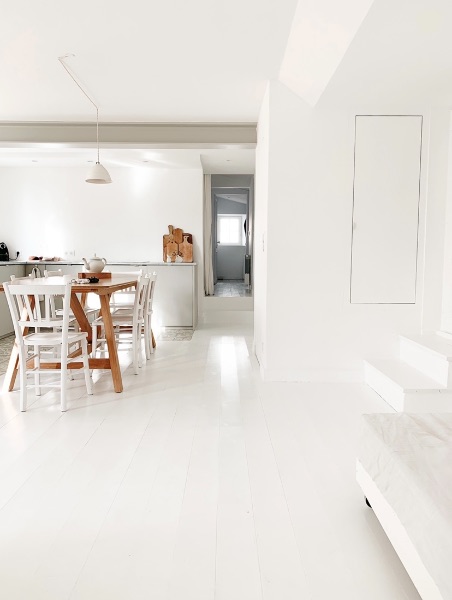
[(208, 61), (240, 198), (400, 56), (141, 60)]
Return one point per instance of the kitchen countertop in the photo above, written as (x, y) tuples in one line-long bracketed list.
[(80, 263)]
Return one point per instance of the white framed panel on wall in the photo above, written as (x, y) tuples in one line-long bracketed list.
[(386, 193)]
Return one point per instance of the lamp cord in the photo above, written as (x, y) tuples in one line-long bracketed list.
[(79, 85)]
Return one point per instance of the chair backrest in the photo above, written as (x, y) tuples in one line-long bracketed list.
[(32, 305), (127, 295), (57, 273), (28, 277), (141, 295), (152, 277)]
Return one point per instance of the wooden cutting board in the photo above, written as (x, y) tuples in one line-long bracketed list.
[(166, 239), (186, 250), (172, 249), (178, 235)]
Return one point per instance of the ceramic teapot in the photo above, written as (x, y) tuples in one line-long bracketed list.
[(95, 264)]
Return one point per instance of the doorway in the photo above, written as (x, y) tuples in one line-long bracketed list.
[(232, 237)]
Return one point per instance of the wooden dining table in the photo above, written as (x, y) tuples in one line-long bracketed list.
[(104, 288)]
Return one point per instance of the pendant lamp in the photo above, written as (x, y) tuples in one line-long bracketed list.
[(97, 173)]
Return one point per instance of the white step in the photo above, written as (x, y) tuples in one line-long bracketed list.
[(405, 388), (430, 353)]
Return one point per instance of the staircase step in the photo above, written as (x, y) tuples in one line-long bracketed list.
[(434, 343), (429, 353), (406, 388), (407, 378)]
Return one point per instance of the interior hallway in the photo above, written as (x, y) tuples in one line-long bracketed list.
[(199, 482)]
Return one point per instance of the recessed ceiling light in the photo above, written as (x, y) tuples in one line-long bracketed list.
[(33, 160), (89, 161)]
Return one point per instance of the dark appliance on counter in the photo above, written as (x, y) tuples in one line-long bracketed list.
[(4, 254)]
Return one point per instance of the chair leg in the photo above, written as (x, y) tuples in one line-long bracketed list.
[(37, 365), (135, 350), (88, 380), (64, 379), (70, 374), (93, 340), (147, 338), (139, 347), (151, 335), (23, 381)]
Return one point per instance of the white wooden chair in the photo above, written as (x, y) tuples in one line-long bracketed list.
[(90, 312), (37, 329), (148, 335), (57, 273), (14, 278), (147, 326), (126, 322), (124, 298), (56, 302)]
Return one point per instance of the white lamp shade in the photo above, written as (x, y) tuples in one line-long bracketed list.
[(98, 174)]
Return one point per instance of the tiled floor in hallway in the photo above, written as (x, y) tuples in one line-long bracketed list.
[(231, 288)]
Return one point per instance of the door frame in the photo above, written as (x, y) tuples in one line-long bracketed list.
[(230, 190)]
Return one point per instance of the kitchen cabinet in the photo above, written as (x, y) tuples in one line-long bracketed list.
[(65, 268), (6, 270), (175, 297)]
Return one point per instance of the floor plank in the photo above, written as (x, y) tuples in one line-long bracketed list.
[(199, 482)]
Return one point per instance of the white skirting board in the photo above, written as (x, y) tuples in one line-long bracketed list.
[(313, 375), (219, 317)]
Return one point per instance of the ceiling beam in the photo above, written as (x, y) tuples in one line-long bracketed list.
[(162, 135)]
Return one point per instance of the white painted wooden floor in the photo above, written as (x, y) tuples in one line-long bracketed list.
[(199, 482)]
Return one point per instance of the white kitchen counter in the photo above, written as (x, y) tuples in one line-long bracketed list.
[(113, 262), (175, 299)]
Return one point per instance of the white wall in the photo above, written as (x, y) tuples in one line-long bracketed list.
[(260, 257), (48, 211), (309, 329)]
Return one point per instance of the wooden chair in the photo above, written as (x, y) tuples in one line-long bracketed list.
[(57, 273), (90, 312), (126, 322), (147, 326), (14, 278), (148, 334), (124, 298), (38, 328)]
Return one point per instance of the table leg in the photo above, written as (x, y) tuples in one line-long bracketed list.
[(13, 365), (111, 342), (80, 315)]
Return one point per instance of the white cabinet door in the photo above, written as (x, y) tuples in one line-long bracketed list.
[(174, 296)]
